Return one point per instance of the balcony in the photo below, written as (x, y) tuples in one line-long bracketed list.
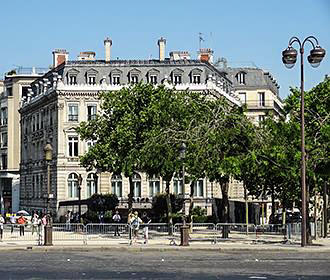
[(28, 71)]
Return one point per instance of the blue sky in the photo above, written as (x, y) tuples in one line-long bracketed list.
[(243, 32)]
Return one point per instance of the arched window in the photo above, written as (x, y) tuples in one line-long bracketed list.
[(91, 184), (177, 185), (154, 186), (117, 185), (73, 185), (136, 185)]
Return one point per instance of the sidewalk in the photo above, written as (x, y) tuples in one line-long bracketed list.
[(121, 244)]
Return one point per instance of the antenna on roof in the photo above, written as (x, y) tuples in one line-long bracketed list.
[(200, 38)]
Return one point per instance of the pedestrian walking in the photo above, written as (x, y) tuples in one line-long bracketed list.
[(130, 218), (116, 218), (68, 220), (21, 221), (2, 221), (35, 221), (136, 226), (12, 223), (146, 220)]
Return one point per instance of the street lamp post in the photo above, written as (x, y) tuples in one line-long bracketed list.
[(184, 230), (289, 58), (79, 195), (48, 227)]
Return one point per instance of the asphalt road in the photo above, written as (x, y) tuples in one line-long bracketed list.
[(163, 265)]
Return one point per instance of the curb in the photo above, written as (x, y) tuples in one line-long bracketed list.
[(165, 248)]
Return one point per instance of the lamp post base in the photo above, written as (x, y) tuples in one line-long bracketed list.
[(48, 235)]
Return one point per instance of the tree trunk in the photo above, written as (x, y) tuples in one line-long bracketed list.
[(191, 205), (169, 208), (325, 210), (308, 222), (224, 184), (273, 201), (130, 195)]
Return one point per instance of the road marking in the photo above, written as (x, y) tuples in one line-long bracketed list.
[(258, 277)]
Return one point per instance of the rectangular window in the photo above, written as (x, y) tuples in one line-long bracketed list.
[(72, 80), (198, 189), (91, 80), (4, 116), (134, 79), (51, 116), (116, 188), (116, 80), (178, 186), (73, 113), (42, 119), (37, 121), (73, 146), (196, 79), (4, 161), (153, 79), (177, 79), (261, 98), (91, 112), (25, 91), (4, 140), (154, 188), (137, 189), (242, 96), (10, 91)]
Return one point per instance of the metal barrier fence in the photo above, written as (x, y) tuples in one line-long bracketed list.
[(15, 232), (198, 232)]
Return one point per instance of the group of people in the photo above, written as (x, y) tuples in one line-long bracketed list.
[(134, 222), (37, 224)]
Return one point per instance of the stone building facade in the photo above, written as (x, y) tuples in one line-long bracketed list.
[(69, 93), (12, 90)]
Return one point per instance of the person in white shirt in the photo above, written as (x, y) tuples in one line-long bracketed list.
[(116, 218), (2, 221)]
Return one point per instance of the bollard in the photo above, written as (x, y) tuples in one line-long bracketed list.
[(48, 235), (184, 232)]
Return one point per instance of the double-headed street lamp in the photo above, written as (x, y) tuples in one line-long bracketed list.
[(48, 228), (289, 58)]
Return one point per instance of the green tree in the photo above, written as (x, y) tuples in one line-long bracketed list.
[(120, 131)]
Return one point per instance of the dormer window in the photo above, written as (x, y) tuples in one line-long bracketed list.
[(72, 76), (177, 76), (240, 77), (91, 76), (196, 79), (195, 76), (134, 79), (177, 79), (72, 80), (91, 80), (115, 77), (152, 76), (133, 76)]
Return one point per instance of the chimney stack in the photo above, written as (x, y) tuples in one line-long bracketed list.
[(107, 48), (161, 44), (205, 55), (59, 56)]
